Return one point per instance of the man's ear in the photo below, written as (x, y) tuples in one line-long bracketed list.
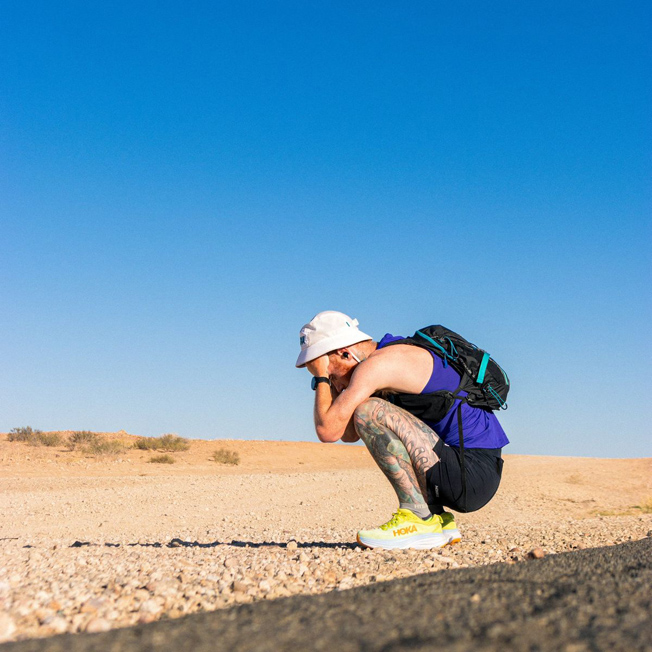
[(343, 353)]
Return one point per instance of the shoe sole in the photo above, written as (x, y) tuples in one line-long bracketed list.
[(416, 542), (454, 537)]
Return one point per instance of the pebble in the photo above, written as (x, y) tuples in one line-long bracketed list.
[(96, 625), (57, 625), (150, 607), (51, 592), (7, 627)]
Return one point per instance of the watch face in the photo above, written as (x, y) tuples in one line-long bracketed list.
[(313, 382)]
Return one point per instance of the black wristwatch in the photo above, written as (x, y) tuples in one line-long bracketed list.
[(319, 379)]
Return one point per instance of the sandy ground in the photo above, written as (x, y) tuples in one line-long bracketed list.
[(91, 543)]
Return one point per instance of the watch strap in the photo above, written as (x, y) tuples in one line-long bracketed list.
[(319, 379)]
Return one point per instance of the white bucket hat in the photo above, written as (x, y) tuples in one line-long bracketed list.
[(328, 331)]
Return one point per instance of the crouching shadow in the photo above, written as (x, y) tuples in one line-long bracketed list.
[(180, 543)]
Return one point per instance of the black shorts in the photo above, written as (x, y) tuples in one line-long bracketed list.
[(484, 468)]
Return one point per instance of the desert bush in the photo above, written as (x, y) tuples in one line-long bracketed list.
[(35, 437), (172, 443), (162, 459), (224, 456), (104, 447), (165, 443), (23, 434), (82, 438), (146, 443), (93, 444), (47, 439), (646, 506)]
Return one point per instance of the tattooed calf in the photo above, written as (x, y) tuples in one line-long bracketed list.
[(401, 444)]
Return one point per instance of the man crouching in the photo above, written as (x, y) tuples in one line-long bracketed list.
[(357, 382)]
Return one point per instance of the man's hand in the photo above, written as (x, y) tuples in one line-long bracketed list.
[(318, 367)]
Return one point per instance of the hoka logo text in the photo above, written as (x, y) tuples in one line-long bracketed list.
[(405, 530)]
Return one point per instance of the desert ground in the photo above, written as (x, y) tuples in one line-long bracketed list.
[(91, 542)]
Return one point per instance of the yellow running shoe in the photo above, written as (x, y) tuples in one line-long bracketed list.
[(449, 528), (405, 530)]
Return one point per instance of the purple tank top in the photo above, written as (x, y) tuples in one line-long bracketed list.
[(481, 428)]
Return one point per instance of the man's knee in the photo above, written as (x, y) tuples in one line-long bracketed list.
[(367, 415)]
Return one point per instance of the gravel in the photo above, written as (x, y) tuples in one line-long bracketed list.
[(91, 553), (52, 586), (584, 601)]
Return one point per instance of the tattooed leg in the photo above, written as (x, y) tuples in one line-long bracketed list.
[(402, 446)]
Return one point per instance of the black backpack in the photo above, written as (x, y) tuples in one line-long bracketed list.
[(481, 376), (485, 382)]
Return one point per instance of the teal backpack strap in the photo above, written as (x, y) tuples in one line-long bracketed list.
[(483, 368), (435, 344)]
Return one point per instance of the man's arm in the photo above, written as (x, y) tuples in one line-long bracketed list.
[(350, 435), (333, 417)]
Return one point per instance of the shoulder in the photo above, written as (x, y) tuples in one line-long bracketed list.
[(389, 354), (400, 367)]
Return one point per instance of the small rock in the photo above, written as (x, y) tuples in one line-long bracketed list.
[(43, 615), (150, 607), (536, 553), (96, 625), (92, 605), (239, 587), (7, 627), (146, 618), (475, 597), (291, 546), (57, 625), (230, 562), (142, 595), (78, 621)]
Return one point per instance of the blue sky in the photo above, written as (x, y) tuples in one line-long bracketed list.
[(183, 185)]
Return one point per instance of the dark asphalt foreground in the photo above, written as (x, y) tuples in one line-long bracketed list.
[(599, 599)]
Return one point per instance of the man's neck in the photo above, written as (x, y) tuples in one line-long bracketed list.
[(365, 349)]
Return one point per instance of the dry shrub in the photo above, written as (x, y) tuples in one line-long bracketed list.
[(646, 506), (48, 439), (162, 459), (104, 447), (35, 437), (172, 443), (224, 456), (166, 443), (575, 478), (23, 434), (83, 438), (146, 444), (91, 443)]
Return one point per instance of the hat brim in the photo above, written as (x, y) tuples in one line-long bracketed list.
[(339, 341)]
